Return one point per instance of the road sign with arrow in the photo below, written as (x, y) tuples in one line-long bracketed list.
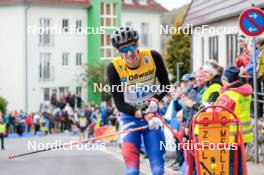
[(251, 22)]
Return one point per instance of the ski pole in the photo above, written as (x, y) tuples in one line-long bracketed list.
[(79, 142), (174, 133)]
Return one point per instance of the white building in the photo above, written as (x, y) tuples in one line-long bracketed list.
[(144, 16), (217, 15), (34, 65)]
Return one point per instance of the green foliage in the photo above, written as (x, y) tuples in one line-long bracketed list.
[(95, 73), (178, 50), (168, 18), (3, 105)]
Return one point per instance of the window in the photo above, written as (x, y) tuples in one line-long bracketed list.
[(65, 59), (107, 51), (109, 15), (65, 25), (44, 67), (232, 48), (44, 34), (78, 25), (63, 90), (108, 9), (46, 94), (78, 59), (213, 48), (54, 91), (79, 91), (145, 36)]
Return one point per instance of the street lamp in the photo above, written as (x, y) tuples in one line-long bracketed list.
[(178, 70)]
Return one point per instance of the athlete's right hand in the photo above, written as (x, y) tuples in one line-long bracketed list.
[(153, 121), (138, 114)]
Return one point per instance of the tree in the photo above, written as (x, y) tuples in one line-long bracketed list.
[(178, 50), (3, 105), (95, 74)]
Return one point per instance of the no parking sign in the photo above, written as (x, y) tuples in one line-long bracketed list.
[(251, 22)]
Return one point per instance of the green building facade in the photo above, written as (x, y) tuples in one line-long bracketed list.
[(103, 16)]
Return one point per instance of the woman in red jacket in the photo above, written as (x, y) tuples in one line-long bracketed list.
[(244, 53)]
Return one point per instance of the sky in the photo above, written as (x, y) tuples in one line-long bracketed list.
[(171, 4)]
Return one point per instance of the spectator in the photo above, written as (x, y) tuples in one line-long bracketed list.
[(56, 115), (2, 131), (62, 116), (82, 126), (260, 69), (7, 122), (67, 115), (61, 104), (212, 75), (68, 109), (91, 128), (162, 109), (29, 122), (88, 112), (237, 97), (44, 124), (70, 99), (13, 122), (261, 60), (53, 100), (249, 67), (103, 111), (244, 54), (96, 116), (249, 71), (20, 124), (168, 99), (79, 101), (36, 120), (109, 111), (193, 99)]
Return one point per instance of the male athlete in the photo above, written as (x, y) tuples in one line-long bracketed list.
[(142, 68)]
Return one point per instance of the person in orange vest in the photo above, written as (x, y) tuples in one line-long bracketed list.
[(237, 97)]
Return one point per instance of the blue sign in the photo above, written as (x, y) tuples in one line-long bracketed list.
[(251, 22)]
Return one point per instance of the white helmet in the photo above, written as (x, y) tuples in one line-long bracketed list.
[(124, 35)]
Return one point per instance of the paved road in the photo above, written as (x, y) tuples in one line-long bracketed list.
[(60, 162), (100, 162)]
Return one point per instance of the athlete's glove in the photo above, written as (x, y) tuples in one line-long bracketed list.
[(153, 121), (153, 105)]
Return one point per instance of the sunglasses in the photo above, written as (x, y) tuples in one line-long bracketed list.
[(131, 48)]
